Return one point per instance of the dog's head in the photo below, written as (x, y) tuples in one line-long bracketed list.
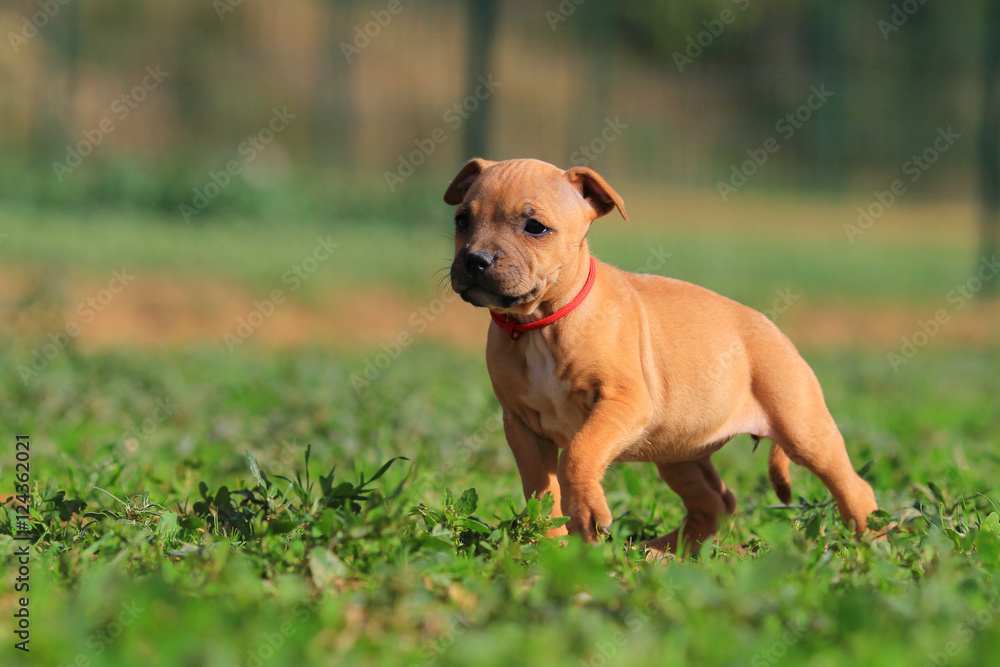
[(521, 225)]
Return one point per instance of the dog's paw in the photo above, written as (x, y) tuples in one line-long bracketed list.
[(589, 515), (661, 547)]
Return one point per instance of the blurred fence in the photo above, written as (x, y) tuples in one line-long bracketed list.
[(806, 94)]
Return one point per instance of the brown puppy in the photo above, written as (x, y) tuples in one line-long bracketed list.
[(644, 368)]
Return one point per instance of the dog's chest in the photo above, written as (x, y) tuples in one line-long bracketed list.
[(560, 415)]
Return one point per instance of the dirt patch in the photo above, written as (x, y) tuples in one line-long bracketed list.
[(886, 326), (170, 311)]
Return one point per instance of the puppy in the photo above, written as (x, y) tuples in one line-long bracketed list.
[(593, 365)]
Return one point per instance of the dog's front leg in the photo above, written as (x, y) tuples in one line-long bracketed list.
[(537, 460), (613, 425)]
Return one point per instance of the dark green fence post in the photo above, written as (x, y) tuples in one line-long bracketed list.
[(989, 142), (832, 60), (482, 15)]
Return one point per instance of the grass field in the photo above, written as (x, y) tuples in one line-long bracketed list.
[(744, 250), (192, 506)]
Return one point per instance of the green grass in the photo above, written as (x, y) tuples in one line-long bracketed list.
[(178, 521), (414, 570), (747, 265)]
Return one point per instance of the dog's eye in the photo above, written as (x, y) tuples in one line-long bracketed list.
[(461, 222), (534, 227)]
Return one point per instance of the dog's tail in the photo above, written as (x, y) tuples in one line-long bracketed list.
[(777, 470)]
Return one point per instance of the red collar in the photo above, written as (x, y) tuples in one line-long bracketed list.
[(514, 328)]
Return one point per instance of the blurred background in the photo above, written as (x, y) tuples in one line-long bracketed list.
[(847, 150), (222, 232)]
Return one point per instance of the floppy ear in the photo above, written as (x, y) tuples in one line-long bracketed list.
[(464, 179), (592, 186)]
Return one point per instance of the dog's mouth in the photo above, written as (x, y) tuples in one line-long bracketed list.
[(496, 290), (486, 298)]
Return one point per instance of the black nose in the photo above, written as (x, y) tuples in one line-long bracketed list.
[(478, 262)]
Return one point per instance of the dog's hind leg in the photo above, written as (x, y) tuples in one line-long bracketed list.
[(804, 430), (705, 498), (820, 448)]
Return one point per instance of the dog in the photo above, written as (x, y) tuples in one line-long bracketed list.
[(593, 365)]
